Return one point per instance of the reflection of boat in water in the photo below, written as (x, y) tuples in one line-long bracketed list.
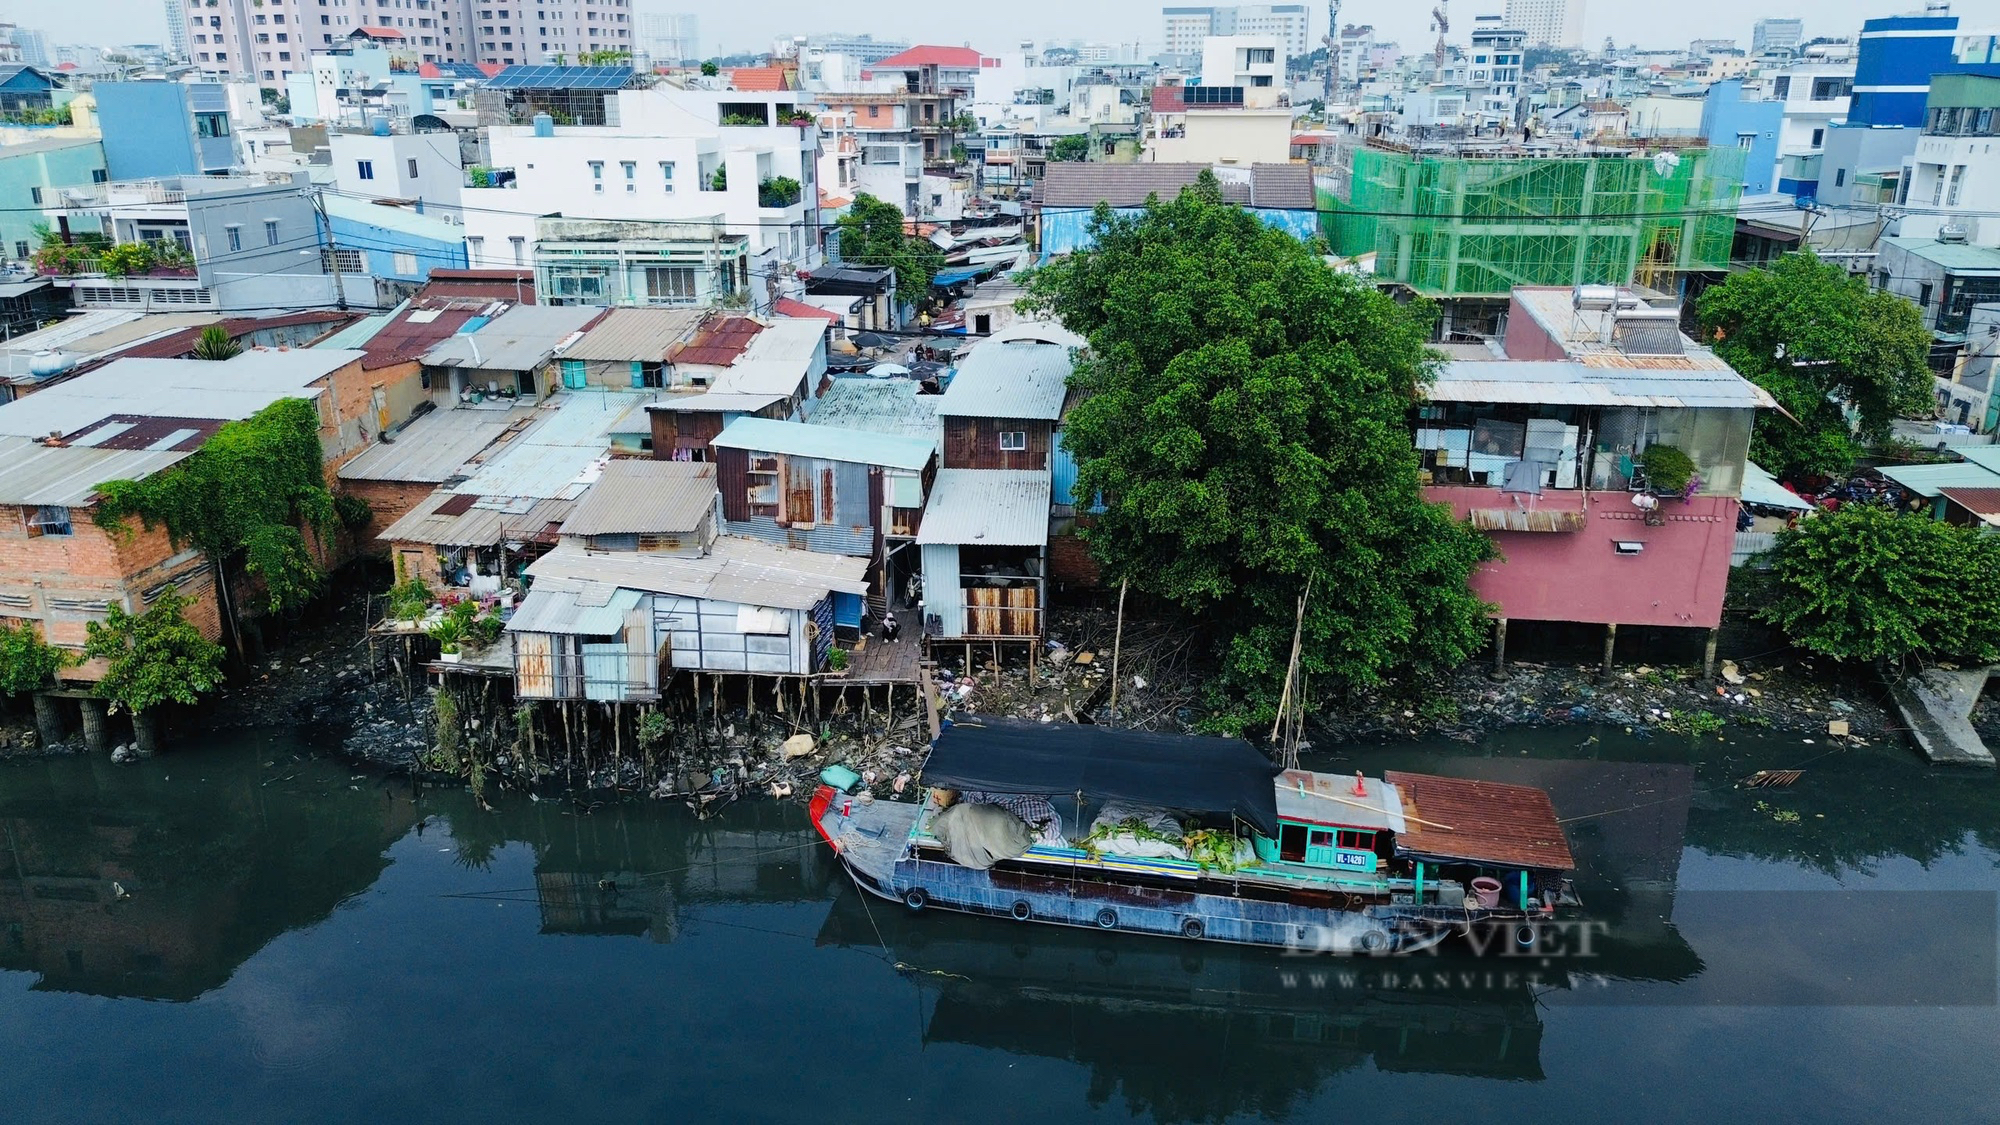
[(1199, 1030), (1204, 839)]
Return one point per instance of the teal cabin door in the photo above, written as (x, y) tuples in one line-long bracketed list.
[(1319, 847)]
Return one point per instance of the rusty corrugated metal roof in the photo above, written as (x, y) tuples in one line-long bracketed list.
[(720, 343), (1480, 821)]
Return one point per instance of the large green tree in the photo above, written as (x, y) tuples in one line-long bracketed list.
[(1866, 584), (874, 233), (1823, 344), (1070, 149), (1244, 417)]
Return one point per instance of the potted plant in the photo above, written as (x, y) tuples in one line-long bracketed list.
[(1669, 471), (448, 632)]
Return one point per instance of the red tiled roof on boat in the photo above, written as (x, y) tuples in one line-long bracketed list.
[(718, 344), (1480, 821)]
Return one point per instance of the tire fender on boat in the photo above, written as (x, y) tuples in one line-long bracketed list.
[(1107, 919), (1374, 941), (1022, 911), (916, 899), (1192, 929)]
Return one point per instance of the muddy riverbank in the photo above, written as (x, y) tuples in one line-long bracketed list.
[(368, 705)]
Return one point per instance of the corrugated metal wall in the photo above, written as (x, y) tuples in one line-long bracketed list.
[(829, 540), (943, 599), (732, 476), (1062, 463)]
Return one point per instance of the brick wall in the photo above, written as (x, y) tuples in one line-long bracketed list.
[(64, 582), (1070, 562), (391, 500)]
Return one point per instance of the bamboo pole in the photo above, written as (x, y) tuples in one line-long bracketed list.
[(1117, 645)]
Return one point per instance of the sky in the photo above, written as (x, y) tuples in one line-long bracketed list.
[(999, 25)]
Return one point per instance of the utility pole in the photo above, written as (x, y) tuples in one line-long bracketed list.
[(332, 248)]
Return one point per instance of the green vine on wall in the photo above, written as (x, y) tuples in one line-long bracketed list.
[(247, 496)]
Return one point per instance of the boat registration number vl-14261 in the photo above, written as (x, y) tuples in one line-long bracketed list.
[(1354, 861)]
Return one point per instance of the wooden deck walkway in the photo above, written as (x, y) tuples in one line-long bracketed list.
[(874, 662)]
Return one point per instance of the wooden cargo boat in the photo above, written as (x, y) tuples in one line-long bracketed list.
[(1249, 853)]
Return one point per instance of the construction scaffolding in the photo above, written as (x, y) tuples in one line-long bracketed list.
[(1452, 226)]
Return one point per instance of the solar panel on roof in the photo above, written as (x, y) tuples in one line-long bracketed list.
[(560, 78)]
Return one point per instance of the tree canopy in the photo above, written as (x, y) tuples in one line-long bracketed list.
[(27, 662), (247, 494), (155, 657), (1244, 415), (873, 233), (1070, 149), (1865, 584), (1821, 342)]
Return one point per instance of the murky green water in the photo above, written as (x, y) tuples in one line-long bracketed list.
[(241, 932)]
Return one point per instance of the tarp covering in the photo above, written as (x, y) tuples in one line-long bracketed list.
[(979, 836), (1214, 776)]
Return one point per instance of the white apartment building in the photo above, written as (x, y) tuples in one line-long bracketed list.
[(177, 28), (268, 39), (415, 166), (1954, 176), (868, 144), (1777, 35), (669, 37), (1815, 95), (1187, 27), (1254, 63), (669, 207), (1496, 57), (565, 30), (1548, 23)]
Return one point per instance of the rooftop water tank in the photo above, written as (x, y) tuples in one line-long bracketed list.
[(48, 362), (379, 126), (545, 126)]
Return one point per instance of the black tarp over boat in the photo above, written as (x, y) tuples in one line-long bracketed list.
[(1201, 775)]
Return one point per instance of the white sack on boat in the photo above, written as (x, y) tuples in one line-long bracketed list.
[(979, 836), (1137, 831)]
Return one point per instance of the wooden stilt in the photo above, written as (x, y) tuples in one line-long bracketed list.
[(1708, 654), (1610, 643), (1499, 648)]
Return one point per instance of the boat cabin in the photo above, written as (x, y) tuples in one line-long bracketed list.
[(1327, 822)]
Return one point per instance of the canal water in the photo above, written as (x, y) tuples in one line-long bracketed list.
[(246, 931)]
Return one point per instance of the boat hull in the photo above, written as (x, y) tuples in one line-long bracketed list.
[(872, 842)]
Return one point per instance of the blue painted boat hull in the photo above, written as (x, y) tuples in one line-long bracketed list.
[(872, 841)]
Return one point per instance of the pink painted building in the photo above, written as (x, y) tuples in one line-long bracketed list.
[(1540, 444)]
